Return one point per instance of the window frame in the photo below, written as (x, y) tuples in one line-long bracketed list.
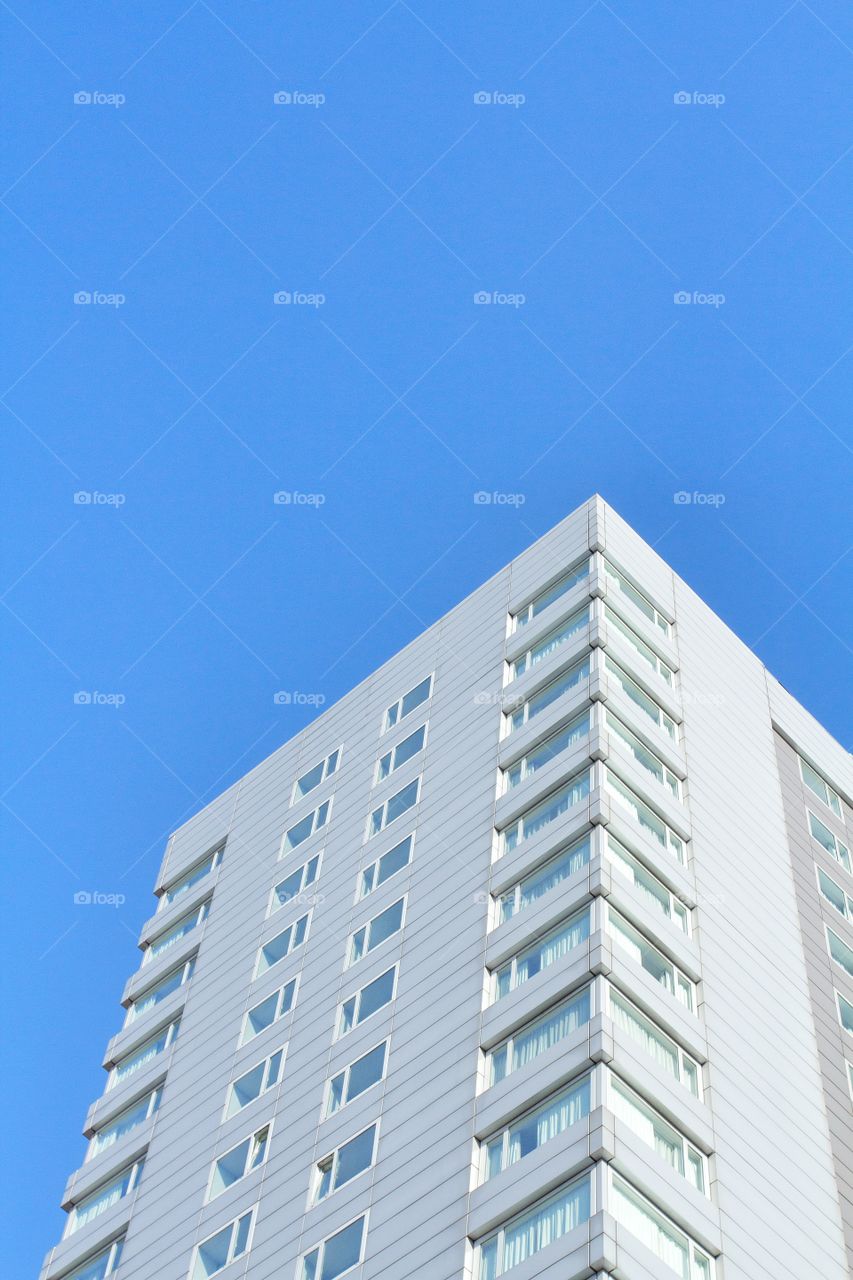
[(622, 580), (151, 1097), (843, 946), (681, 1075), (841, 1000), (266, 1082), (537, 873), (367, 929), (840, 851), (680, 980), (508, 1043), (135, 1008), (111, 1251), (315, 862), (325, 774), (553, 640), (278, 993), (317, 823), (641, 646), (672, 842), (320, 1250), (133, 1172), (688, 1149), (579, 571), (531, 1211), (678, 912), (233, 1226), (669, 1225), (847, 912), (293, 931), (357, 997), (396, 708), (662, 719), (504, 1133), (360, 891), (152, 951), (391, 754), (169, 1029), (266, 1131), (521, 716), (521, 766), (514, 833), (537, 944), (172, 892), (345, 1073), (332, 1158), (830, 795), (379, 815), (666, 778)]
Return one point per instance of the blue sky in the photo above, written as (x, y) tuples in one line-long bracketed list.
[(580, 197)]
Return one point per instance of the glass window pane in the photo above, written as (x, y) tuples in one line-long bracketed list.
[(342, 1251)]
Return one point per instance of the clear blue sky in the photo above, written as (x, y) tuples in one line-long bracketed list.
[(195, 400)]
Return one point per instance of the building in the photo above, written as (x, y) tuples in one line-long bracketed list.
[(532, 956)]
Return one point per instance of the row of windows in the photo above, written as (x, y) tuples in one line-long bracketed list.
[(579, 572)]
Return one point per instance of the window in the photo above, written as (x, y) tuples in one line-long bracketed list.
[(547, 751), (835, 894), (409, 701), (305, 828), (315, 776), (252, 1083), (641, 699), (377, 930), (535, 1128), (282, 944), (385, 867), (666, 1053), (546, 811), (542, 953), (104, 1197), (226, 1246), (235, 1164), (640, 950), (653, 891), (369, 1000), (344, 1164), (144, 1053), (645, 758), (564, 864), (103, 1264), (191, 877), (534, 1229), (839, 950), (269, 1010), (676, 1250), (356, 1078), (822, 790), (830, 842), (557, 589), (621, 583), (533, 706), (646, 817), (532, 1040), (403, 751), (845, 1012), (289, 889), (657, 1133), (639, 646), (551, 642), (178, 930), (394, 808), (150, 998), (337, 1254), (125, 1122)]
